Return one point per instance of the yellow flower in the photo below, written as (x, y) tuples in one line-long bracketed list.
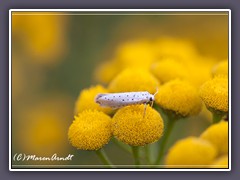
[(134, 79), (214, 93), (221, 162), (220, 68), (107, 71), (217, 134), (200, 70), (176, 48), (135, 54), (90, 130), (191, 152), (86, 100), (130, 127), (169, 69), (179, 97), (42, 35)]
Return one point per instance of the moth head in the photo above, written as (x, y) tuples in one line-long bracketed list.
[(151, 98)]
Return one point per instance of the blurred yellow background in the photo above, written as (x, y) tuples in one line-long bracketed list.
[(55, 56)]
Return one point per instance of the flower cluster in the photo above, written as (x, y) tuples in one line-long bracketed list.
[(181, 81), (217, 134), (191, 152), (208, 150), (167, 58)]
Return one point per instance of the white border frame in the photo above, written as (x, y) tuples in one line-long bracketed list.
[(118, 10)]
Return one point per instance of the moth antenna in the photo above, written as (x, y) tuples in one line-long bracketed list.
[(155, 92)]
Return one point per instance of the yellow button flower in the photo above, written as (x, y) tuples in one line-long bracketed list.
[(130, 127), (90, 130), (177, 48), (86, 100), (217, 134), (134, 79), (42, 36), (221, 162), (214, 93), (191, 152), (169, 69), (179, 97), (137, 53), (200, 70), (220, 68)]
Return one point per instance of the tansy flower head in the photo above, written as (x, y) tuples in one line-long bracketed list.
[(179, 97), (135, 54), (90, 130), (217, 134), (214, 93), (130, 127), (86, 100), (134, 79), (169, 69), (221, 162), (200, 70), (191, 152), (177, 48), (220, 68)]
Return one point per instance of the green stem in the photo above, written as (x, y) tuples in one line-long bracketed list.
[(165, 138), (122, 146), (147, 153), (216, 117), (135, 150), (103, 156)]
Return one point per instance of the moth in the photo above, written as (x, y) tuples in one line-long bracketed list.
[(117, 100)]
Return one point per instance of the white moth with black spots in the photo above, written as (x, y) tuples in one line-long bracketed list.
[(117, 100)]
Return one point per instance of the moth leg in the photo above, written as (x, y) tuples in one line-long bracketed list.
[(151, 104), (145, 108)]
